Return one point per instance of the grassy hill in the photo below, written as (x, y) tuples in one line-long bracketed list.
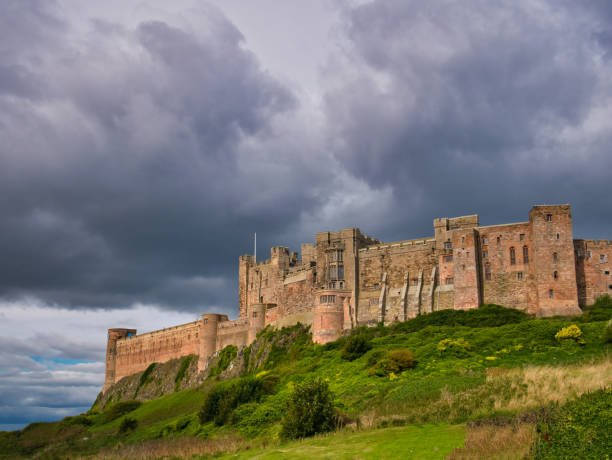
[(482, 382)]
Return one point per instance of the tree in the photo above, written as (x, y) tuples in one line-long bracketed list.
[(310, 410)]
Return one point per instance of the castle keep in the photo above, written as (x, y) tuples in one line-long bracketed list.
[(347, 279)]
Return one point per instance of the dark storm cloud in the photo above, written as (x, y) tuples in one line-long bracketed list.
[(127, 159), (468, 107)]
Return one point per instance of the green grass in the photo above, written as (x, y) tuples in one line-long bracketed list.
[(449, 383), (409, 442)]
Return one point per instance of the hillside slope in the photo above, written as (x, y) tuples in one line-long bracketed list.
[(490, 363)]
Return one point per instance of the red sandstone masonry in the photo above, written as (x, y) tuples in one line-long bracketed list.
[(535, 266)]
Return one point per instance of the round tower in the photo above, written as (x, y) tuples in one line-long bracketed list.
[(208, 336), (257, 320), (328, 321), (111, 353)]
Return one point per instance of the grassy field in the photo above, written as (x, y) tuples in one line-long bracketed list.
[(470, 366), (409, 442)]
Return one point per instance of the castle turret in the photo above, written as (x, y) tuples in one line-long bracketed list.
[(257, 320), (329, 312), (111, 354), (208, 336)]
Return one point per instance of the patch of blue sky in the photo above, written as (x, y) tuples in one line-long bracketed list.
[(57, 360)]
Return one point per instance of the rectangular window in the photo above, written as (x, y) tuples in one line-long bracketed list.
[(374, 301), (415, 281), (498, 240), (254, 314), (485, 254), (488, 273), (525, 255), (601, 257), (449, 280), (376, 286), (550, 294), (331, 299), (340, 272), (333, 272), (485, 240), (323, 299), (448, 258), (512, 256), (607, 272), (522, 237), (549, 219), (588, 254), (448, 245), (519, 275), (554, 257), (339, 256)]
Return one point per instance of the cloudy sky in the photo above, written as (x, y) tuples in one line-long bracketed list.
[(142, 143)]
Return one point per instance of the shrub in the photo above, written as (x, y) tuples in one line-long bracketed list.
[(572, 332), (226, 356), (601, 310), (145, 377), (181, 372), (579, 429), (128, 424), (457, 347), (118, 409), (607, 334), (355, 347), (224, 397), (81, 419), (395, 362), (310, 410)]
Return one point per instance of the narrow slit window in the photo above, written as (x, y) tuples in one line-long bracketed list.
[(555, 257), (550, 294)]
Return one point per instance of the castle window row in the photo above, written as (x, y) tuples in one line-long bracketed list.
[(327, 299)]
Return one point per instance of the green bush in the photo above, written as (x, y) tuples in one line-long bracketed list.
[(355, 347), (310, 410), (572, 332), (118, 409), (145, 377), (601, 310), (226, 356), (607, 334), (128, 424), (579, 429), (81, 419), (394, 362), (457, 347), (224, 397), (180, 375)]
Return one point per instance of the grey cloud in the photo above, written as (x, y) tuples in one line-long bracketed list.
[(463, 107), (122, 178)]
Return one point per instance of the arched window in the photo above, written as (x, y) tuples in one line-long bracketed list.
[(556, 274), (512, 256), (525, 255)]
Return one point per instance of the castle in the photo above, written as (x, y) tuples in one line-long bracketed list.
[(347, 279)]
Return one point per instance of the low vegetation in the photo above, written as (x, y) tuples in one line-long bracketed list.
[(489, 376)]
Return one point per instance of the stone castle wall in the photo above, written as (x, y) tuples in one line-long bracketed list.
[(346, 279)]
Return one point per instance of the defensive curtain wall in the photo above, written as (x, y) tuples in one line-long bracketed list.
[(346, 279)]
